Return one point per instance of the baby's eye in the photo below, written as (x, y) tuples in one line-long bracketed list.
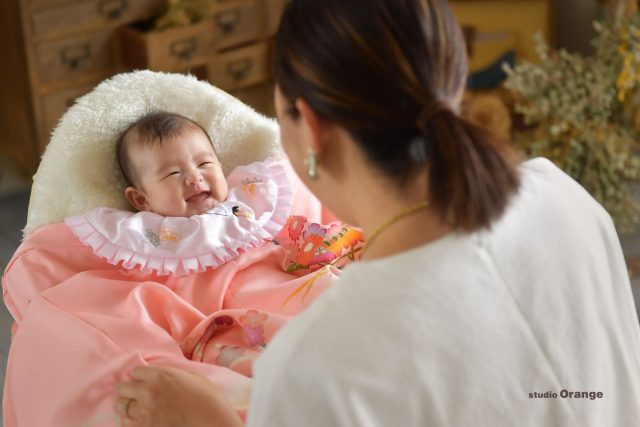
[(173, 173), (204, 164)]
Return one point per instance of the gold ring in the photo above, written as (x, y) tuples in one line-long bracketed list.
[(126, 408)]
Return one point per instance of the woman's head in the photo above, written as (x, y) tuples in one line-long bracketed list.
[(391, 74), (170, 166)]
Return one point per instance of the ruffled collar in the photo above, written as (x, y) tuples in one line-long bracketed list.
[(256, 209)]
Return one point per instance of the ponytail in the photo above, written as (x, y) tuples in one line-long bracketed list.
[(472, 174), (387, 72)]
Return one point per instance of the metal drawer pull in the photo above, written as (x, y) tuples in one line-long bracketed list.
[(75, 56), (112, 9), (184, 48), (228, 19), (240, 68)]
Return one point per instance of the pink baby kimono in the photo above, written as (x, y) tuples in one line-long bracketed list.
[(110, 290)]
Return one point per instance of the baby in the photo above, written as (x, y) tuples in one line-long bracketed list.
[(201, 277), (170, 166)]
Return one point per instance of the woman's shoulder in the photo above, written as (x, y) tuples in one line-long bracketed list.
[(542, 173), (549, 200), (370, 333), (388, 299)]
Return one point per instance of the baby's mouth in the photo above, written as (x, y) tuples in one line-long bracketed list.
[(199, 197)]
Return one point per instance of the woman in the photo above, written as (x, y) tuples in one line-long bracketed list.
[(489, 293)]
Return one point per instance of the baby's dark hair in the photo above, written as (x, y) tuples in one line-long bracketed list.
[(150, 129)]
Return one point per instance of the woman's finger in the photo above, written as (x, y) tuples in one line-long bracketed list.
[(122, 406), (128, 390), (146, 373)]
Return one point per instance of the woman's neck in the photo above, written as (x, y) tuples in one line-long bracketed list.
[(413, 230), (359, 194), (395, 218)]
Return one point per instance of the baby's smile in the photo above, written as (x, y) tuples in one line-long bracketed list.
[(180, 177), (199, 198)]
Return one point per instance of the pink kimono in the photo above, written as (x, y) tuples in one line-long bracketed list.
[(111, 290)]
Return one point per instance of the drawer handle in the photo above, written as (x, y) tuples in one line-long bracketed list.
[(184, 48), (75, 56), (112, 9), (239, 69), (228, 19)]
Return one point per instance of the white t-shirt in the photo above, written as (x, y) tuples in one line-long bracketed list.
[(464, 330)]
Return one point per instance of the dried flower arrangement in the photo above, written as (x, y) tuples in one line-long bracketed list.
[(181, 13), (584, 113)]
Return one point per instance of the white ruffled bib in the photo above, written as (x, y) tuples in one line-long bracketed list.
[(255, 211)]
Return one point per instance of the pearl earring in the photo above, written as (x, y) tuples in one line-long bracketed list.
[(311, 162)]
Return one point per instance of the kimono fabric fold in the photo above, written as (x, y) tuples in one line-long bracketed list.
[(82, 322)]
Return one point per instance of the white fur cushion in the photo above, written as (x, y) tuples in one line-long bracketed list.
[(79, 170)]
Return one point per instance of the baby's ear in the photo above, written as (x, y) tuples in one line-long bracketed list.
[(137, 198)]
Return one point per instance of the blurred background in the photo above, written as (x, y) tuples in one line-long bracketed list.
[(570, 93)]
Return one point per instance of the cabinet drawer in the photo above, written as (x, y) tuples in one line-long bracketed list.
[(274, 12), (55, 104), (39, 3), (86, 14), (174, 49), (236, 22), (260, 97), (241, 67), (72, 57)]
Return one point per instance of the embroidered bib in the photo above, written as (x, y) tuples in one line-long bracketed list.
[(255, 211)]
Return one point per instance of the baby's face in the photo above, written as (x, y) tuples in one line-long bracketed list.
[(180, 177)]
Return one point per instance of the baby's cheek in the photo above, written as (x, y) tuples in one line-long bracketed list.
[(222, 189)]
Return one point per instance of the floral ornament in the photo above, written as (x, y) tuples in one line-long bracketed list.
[(223, 320), (295, 225), (319, 245), (342, 241), (253, 327), (241, 213), (249, 186), (228, 355), (152, 237), (168, 235), (313, 238), (342, 244), (219, 322), (322, 256)]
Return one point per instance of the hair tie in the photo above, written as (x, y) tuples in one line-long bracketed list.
[(429, 112)]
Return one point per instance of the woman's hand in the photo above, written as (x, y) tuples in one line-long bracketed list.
[(163, 396)]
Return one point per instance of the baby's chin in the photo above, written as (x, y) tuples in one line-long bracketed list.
[(201, 207), (189, 209), (200, 210)]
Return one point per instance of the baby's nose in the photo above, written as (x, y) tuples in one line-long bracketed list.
[(194, 178)]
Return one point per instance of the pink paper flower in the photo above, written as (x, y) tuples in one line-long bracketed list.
[(254, 336), (295, 225), (253, 318), (252, 327), (228, 355), (314, 230)]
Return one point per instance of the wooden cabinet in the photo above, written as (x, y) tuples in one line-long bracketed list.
[(56, 50), (231, 48), (52, 52)]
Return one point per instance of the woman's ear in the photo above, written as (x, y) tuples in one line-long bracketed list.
[(137, 199), (318, 127)]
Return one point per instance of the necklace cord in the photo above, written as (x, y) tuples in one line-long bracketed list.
[(389, 222)]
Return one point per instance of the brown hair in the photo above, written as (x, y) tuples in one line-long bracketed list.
[(389, 72), (148, 130)]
